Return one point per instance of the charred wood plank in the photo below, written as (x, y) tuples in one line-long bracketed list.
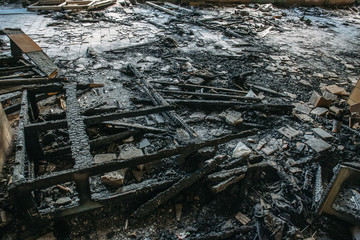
[(28, 74), (210, 95), (46, 88), (205, 103), (225, 234), (22, 43), (5, 71), (174, 190), (137, 126), (43, 126), (226, 183), (10, 96), (100, 168), (29, 81), (276, 108), (226, 174), (135, 190), (117, 115), (19, 164), (79, 140), (188, 85), (12, 108)]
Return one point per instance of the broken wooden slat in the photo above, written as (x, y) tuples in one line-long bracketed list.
[(171, 192), (163, 9)]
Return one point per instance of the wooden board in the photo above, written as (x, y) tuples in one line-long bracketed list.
[(24, 42), (21, 41), (5, 138), (72, 5)]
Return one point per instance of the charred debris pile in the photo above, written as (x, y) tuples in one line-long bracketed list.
[(203, 130)]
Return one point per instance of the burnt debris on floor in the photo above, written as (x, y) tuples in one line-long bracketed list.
[(160, 121)]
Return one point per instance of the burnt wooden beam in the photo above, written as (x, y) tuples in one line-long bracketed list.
[(210, 95), (238, 105), (137, 126), (100, 168), (43, 126), (135, 190), (79, 140), (27, 74), (226, 174), (174, 190), (10, 96), (188, 85), (29, 81), (128, 114), (19, 164)]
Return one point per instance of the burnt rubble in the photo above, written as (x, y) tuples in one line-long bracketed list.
[(183, 122)]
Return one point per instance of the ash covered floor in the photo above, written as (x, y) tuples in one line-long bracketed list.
[(271, 58)]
